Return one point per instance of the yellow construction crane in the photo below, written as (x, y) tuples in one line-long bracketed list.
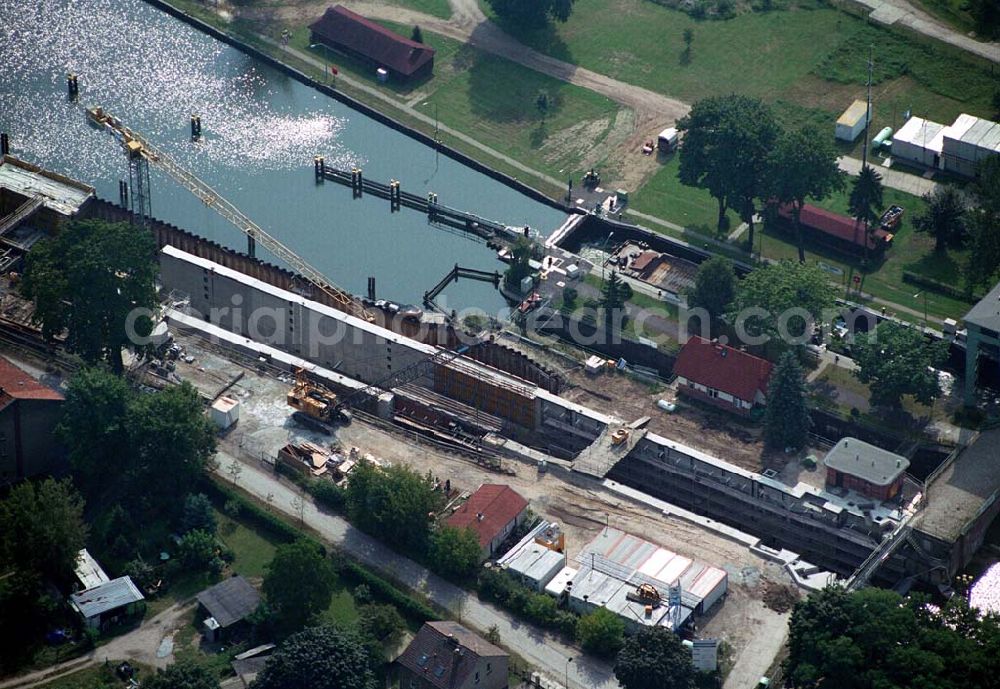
[(140, 151)]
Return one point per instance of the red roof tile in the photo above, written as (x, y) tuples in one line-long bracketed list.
[(339, 27), (19, 385), (723, 368), (499, 505), (833, 224)]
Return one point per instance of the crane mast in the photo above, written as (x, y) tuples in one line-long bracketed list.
[(141, 153)]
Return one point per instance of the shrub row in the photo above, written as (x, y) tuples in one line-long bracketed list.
[(250, 512), (935, 286), (328, 495), (498, 587), (410, 607)]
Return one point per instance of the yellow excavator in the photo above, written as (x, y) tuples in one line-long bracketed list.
[(315, 406)]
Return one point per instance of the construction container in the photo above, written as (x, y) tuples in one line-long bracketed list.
[(852, 122), (594, 365), (667, 140), (225, 412), (527, 282), (968, 141), (919, 141), (572, 271)]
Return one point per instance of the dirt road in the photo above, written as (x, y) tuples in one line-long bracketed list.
[(141, 645)]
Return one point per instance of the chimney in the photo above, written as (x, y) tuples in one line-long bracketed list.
[(479, 516)]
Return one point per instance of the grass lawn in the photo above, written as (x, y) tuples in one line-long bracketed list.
[(253, 550), (437, 8), (665, 197), (494, 101), (910, 251), (98, 677), (809, 59)]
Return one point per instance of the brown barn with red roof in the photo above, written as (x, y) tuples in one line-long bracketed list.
[(837, 230), (29, 412), (492, 512), (720, 375), (355, 36)]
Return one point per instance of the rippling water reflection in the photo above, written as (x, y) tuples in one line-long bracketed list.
[(261, 132), (985, 592)]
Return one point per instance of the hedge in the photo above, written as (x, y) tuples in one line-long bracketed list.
[(251, 512), (935, 286), (382, 588)]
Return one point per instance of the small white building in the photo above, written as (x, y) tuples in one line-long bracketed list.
[(967, 142), (225, 412), (919, 141), (852, 122), (537, 558), (667, 140)]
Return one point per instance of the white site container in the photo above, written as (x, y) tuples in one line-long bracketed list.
[(225, 412)]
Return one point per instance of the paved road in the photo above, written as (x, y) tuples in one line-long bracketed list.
[(901, 12), (539, 649)]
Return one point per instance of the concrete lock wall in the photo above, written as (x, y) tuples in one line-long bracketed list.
[(288, 321)]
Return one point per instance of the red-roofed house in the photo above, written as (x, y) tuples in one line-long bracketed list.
[(492, 512), (29, 412), (351, 34), (838, 230), (720, 375)]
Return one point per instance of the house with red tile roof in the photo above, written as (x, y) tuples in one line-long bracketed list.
[(492, 512), (29, 412), (838, 231), (722, 376), (446, 655), (362, 39)]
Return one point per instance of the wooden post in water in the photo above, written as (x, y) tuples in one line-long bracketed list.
[(4, 144)]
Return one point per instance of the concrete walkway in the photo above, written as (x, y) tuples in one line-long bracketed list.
[(903, 181), (540, 649), (902, 13)]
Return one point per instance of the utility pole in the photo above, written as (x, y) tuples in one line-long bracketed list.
[(868, 110)]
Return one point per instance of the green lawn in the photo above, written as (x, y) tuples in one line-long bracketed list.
[(494, 100), (811, 57), (253, 550), (665, 197), (98, 677), (911, 251), (437, 8)]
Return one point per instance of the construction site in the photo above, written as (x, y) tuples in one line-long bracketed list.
[(307, 362)]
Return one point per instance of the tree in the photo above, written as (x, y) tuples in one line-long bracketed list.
[(983, 220), (394, 503), (120, 443), (417, 36), (601, 632), (943, 218), (171, 443), (196, 551), (542, 103), (987, 16), (875, 638), (455, 552), (86, 280), (42, 529), (803, 166), (612, 298), (319, 658), (198, 514), (896, 360), (786, 417), (532, 13), (688, 38), (655, 658), (778, 288), (381, 622), (725, 151), (95, 431), (865, 202), (570, 295), (184, 674), (298, 585), (519, 268), (715, 287)]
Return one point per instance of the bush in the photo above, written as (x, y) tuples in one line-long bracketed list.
[(232, 509), (196, 550), (416, 610), (327, 494), (198, 514), (601, 632), (381, 622)]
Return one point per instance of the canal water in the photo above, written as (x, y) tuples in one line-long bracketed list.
[(261, 130)]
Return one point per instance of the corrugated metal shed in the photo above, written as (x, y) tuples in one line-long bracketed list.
[(98, 600)]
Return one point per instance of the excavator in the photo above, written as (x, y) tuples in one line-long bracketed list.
[(315, 406)]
